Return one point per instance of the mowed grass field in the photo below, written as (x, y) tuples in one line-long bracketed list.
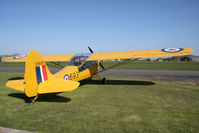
[(123, 105), (194, 66)]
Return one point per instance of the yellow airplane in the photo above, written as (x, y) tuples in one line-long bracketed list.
[(39, 80)]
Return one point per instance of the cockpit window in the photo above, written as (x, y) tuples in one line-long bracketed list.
[(78, 59), (86, 65)]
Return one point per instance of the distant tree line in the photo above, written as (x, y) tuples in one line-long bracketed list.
[(173, 58), (1, 56)]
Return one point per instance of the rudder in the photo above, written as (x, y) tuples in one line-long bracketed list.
[(36, 72)]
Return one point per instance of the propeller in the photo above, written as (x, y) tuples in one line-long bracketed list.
[(99, 62), (90, 50)]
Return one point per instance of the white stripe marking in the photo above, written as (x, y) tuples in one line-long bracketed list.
[(42, 76)]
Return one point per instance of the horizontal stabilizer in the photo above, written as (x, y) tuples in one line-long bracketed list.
[(16, 84), (57, 85)]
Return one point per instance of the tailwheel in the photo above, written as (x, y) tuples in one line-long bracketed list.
[(104, 81)]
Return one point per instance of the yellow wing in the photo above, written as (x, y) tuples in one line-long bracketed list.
[(140, 54), (55, 57), (112, 55)]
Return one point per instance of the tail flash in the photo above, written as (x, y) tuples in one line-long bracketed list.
[(36, 72), (41, 74)]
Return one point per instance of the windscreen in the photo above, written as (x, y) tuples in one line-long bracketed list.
[(78, 59)]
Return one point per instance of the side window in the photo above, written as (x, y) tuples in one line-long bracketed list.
[(87, 65), (76, 61), (83, 67)]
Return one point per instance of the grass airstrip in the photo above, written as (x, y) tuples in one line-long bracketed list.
[(123, 105)]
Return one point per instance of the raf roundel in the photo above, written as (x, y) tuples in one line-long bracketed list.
[(66, 77), (172, 50)]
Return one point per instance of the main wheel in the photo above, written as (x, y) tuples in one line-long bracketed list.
[(104, 81)]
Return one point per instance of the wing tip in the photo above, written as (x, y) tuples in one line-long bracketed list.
[(187, 51)]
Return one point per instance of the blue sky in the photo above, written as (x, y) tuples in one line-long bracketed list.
[(69, 26)]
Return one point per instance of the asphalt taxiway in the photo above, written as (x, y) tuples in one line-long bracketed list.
[(162, 75)]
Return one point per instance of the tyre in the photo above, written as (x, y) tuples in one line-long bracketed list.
[(104, 81)]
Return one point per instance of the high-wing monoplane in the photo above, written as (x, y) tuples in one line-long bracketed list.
[(39, 80)]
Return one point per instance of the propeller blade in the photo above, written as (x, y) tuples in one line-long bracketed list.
[(99, 62), (90, 50)]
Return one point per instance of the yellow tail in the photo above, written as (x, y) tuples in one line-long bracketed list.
[(36, 72), (39, 80)]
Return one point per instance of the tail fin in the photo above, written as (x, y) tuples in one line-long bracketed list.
[(36, 72), (39, 80)]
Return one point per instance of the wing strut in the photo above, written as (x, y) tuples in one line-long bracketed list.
[(118, 64)]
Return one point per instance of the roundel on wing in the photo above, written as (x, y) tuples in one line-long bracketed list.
[(66, 77), (19, 56), (172, 50)]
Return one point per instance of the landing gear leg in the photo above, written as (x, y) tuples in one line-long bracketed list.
[(103, 80), (33, 101)]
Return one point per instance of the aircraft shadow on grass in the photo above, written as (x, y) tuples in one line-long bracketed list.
[(116, 82), (16, 78), (52, 97), (109, 82)]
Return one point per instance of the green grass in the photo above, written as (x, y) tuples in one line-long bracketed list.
[(12, 64), (194, 66), (157, 65), (120, 106)]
